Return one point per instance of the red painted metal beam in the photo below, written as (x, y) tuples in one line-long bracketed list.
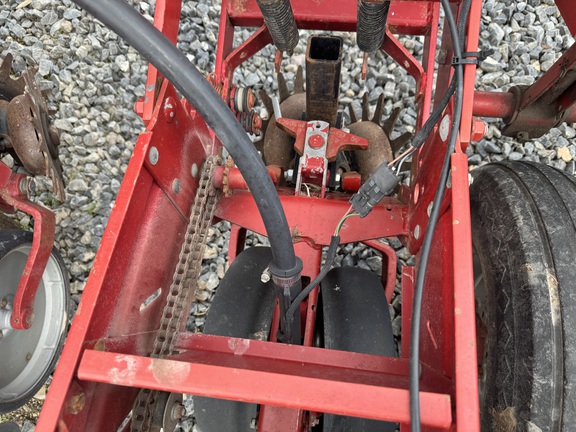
[(300, 385), (389, 261), (494, 104), (42, 244), (554, 82), (167, 20), (366, 363), (472, 41), (402, 56), (406, 17), (313, 219), (503, 104), (566, 8), (466, 362)]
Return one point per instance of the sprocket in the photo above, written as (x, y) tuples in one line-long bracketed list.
[(25, 127)]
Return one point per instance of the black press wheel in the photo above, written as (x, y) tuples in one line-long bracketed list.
[(524, 236), (242, 307), (355, 318), (28, 357)]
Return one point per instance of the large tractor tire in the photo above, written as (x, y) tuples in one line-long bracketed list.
[(524, 237)]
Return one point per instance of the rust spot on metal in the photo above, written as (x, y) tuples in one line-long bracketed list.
[(170, 372), (100, 345), (239, 6), (125, 372), (238, 346), (76, 403), (296, 235)]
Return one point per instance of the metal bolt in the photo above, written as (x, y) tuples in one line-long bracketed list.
[(23, 186), (178, 411), (28, 356), (176, 186), (266, 276), (417, 232), (153, 155), (169, 109), (194, 170), (288, 174), (3, 303)]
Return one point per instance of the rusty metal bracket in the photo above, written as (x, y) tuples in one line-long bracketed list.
[(544, 104)]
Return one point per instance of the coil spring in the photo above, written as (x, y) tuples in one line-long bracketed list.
[(250, 121), (370, 29), (279, 19)]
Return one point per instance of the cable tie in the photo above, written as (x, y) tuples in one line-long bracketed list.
[(472, 57)]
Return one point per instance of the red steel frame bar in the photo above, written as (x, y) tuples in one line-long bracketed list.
[(105, 357), (566, 8), (503, 105), (265, 382), (12, 198)]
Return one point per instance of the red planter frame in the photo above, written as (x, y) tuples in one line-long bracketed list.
[(105, 360)]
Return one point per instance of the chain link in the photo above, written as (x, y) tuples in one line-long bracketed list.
[(184, 282)]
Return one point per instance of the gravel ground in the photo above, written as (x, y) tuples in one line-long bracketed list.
[(95, 80)]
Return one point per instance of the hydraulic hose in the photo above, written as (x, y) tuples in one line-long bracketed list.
[(173, 64)]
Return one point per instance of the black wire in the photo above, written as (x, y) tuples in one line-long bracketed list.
[(330, 256), (414, 371), (425, 131)]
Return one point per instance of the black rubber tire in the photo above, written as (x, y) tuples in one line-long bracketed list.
[(356, 318), (242, 307), (8, 241), (524, 235)]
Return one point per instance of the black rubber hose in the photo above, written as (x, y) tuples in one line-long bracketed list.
[(414, 363), (423, 134), (173, 64), (330, 257)]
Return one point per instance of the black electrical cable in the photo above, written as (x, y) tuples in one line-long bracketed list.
[(173, 64), (330, 257), (414, 368), (425, 131)]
